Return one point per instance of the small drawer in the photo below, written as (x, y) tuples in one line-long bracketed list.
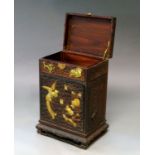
[(62, 69)]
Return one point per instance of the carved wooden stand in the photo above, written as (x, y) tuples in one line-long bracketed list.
[(71, 138)]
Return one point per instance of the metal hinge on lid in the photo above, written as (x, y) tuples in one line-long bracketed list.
[(106, 53)]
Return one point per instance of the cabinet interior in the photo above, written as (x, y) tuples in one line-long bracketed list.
[(75, 59)]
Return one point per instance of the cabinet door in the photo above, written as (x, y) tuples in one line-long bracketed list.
[(61, 102)]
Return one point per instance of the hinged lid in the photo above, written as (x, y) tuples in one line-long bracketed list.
[(90, 35)]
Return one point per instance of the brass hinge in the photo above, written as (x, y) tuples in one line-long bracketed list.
[(106, 53)]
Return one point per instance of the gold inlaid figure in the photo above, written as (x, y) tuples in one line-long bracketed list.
[(48, 67), (61, 66), (69, 120), (76, 72), (52, 93), (72, 110)]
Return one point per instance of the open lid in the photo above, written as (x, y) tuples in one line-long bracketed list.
[(90, 35)]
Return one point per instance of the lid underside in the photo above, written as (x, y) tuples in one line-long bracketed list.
[(90, 35)]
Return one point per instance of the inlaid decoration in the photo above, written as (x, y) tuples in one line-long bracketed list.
[(69, 110)]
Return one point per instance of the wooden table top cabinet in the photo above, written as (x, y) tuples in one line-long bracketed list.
[(73, 82)]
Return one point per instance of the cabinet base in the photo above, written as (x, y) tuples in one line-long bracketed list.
[(79, 141)]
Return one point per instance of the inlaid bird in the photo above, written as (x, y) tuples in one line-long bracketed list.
[(52, 93)]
